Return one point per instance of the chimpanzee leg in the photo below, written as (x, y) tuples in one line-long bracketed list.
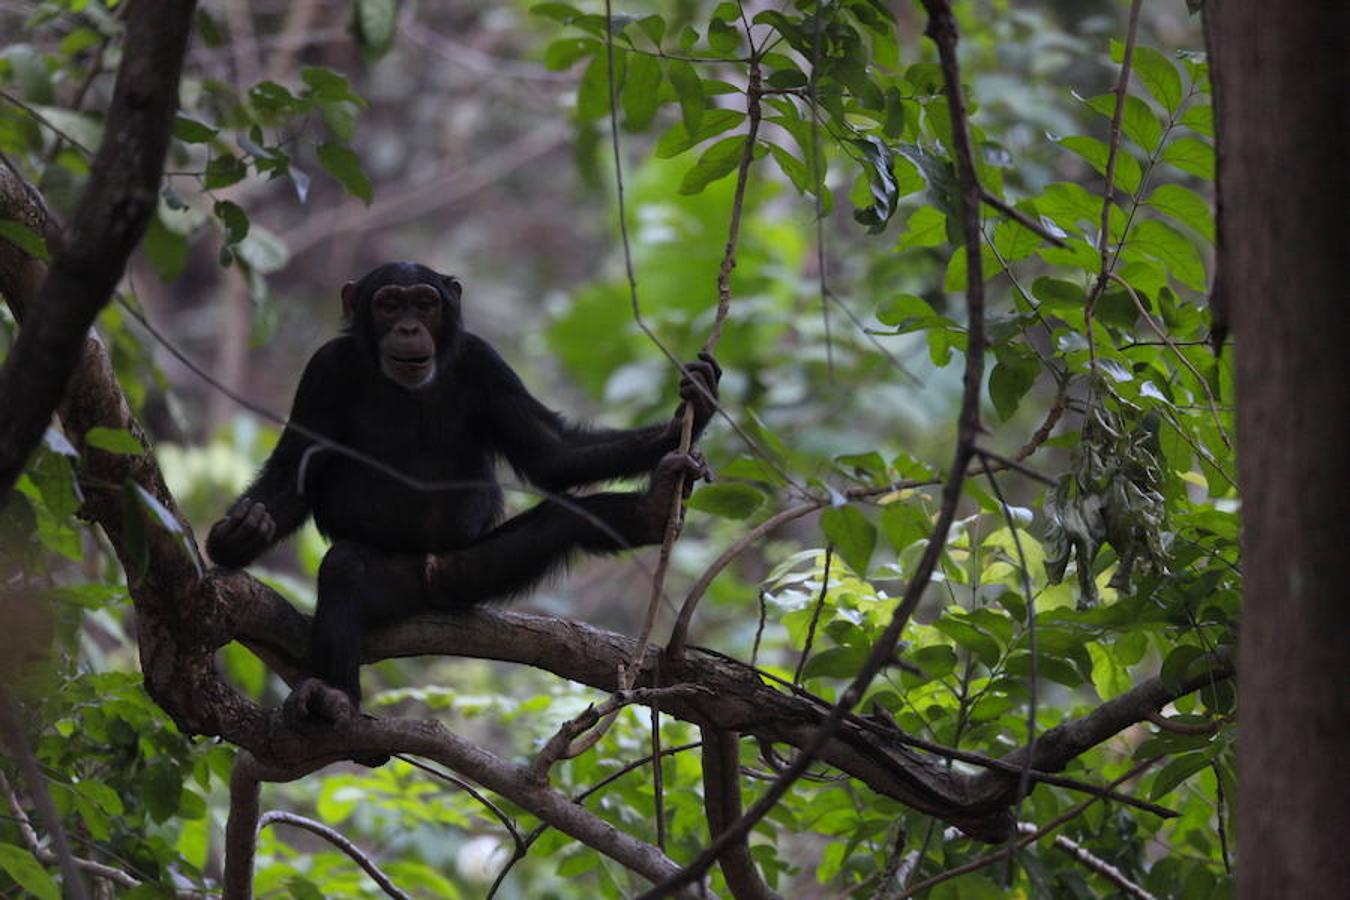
[(359, 588), (527, 548)]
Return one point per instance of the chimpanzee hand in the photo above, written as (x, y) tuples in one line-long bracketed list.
[(244, 533), (698, 386), (655, 503)]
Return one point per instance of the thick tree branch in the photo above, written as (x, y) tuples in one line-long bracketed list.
[(722, 798), (112, 214)]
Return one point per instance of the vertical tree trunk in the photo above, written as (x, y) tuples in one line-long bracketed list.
[(1282, 76)]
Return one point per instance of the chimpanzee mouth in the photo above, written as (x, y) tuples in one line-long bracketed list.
[(412, 361)]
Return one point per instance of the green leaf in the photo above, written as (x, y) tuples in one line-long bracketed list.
[(113, 440), (562, 13), (718, 161), (1013, 376), (562, 53), (641, 84), (578, 864), (904, 524), (1159, 76), (728, 499), (1172, 248), (1191, 155), (345, 166), (593, 92), (1109, 677), (1186, 207), (1200, 118), (223, 171), (926, 227), (1178, 664), (27, 873), (166, 249), (679, 139), (25, 238), (1137, 120), (936, 660), (374, 21), (793, 168), (1059, 296), (330, 87), (190, 131), (722, 37), (1128, 175), (968, 636), (909, 312), (854, 537), (836, 662), (689, 89), (1071, 206), (1015, 241), (654, 27), (234, 219), (1177, 771)]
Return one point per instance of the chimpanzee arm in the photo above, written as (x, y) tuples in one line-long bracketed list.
[(556, 454), (276, 503)]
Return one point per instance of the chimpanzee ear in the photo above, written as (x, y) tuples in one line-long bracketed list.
[(349, 301), (452, 286)]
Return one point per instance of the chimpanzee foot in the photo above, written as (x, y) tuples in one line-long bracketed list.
[(315, 701), (675, 468)]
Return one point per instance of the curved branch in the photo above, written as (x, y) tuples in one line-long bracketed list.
[(112, 214), (342, 843), (722, 798)]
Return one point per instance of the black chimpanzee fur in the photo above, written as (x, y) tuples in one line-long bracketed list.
[(400, 548)]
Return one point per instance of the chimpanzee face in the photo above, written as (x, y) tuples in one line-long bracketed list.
[(407, 321), (407, 317)]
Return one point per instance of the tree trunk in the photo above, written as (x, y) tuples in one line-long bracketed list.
[(1281, 73)]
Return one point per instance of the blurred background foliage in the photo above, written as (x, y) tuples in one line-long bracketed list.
[(318, 138)]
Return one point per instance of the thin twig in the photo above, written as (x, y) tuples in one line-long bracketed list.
[(815, 614), (1024, 780), (1094, 863), (678, 635), (891, 731), (557, 746), (339, 840), (16, 742), (1121, 90), (1166, 338), (942, 29), (1017, 467), (578, 798), (1016, 844), (46, 123), (759, 629), (500, 814), (1166, 724), (46, 855), (675, 644), (1052, 418), (1221, 814), (1022, 219)]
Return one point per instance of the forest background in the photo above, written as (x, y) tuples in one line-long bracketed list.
[(864, 674)]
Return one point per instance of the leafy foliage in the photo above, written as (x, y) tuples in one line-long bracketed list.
[(1127, 569)]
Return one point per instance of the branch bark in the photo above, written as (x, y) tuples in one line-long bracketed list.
[(113, 212), (1280, 78)]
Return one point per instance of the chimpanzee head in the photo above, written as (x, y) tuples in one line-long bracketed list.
[(407, 316)]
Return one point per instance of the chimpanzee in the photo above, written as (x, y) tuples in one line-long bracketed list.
[(405, 385)]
